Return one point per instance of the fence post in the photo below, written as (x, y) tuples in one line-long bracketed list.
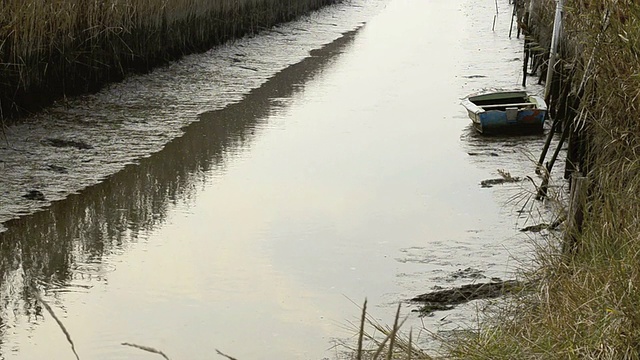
[(575, 214)]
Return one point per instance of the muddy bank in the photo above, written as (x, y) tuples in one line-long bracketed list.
[(95, 43)]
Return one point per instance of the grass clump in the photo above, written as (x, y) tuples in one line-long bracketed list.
[(377, 341)]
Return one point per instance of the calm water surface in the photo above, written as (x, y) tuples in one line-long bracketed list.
[(351, 174)]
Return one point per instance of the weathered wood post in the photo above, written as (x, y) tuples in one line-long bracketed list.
[(562, 113), (545, 148), (542, 191), (513, 15), (525, 63), (553, 52), (575, 213), (574, 153)]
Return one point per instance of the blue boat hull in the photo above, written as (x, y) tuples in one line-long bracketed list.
[(495, 121), (506, 112)]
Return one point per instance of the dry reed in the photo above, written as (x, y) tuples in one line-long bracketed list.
[(61, 47), (148, 349), (37, 295), (377, 341)]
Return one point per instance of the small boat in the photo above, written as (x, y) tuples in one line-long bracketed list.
[(506, 112)]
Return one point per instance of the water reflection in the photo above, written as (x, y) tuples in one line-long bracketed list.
[(67, 246), (131, 119), (479, 145)]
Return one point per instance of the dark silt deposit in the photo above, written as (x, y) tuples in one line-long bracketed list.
[(446, 299)]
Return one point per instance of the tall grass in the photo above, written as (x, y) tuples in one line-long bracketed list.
[(58, 47), (587, 303)]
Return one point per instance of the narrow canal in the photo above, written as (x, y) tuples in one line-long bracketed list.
[(292, 189)]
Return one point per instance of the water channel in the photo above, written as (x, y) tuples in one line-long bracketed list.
[(262, 190)]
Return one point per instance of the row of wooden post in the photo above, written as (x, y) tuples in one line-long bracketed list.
[(563, 104)]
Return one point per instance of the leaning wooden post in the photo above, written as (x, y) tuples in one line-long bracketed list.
[(559, 117), (553, 52), (554, 157), (547, 143), (542, 191), (575, 214), (513, 15), (525, 63), (544, 185)]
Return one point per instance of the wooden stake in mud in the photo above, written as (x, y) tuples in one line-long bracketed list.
[(513, 15), (542, 191), (566, 112), (525, 63), (557, 30), (547, 143), (493, 28), (575, 214)]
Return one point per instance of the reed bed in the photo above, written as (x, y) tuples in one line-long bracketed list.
[(586, 304), (55, 48)]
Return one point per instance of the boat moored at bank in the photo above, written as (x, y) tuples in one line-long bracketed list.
[(506, 112)]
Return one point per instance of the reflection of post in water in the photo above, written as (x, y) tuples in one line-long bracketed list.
[(71, 237)]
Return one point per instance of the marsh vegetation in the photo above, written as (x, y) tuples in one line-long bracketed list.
[(53, 49)]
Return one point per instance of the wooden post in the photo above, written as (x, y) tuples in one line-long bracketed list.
[(525, 63), (575, 214), (493, 28), (543, 155), (542, 191), (553, 52), (566, 114), (513, 14), (564, 93), (565, 133), (572, 163), (544, 186), (583, 154), (553, 98)]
